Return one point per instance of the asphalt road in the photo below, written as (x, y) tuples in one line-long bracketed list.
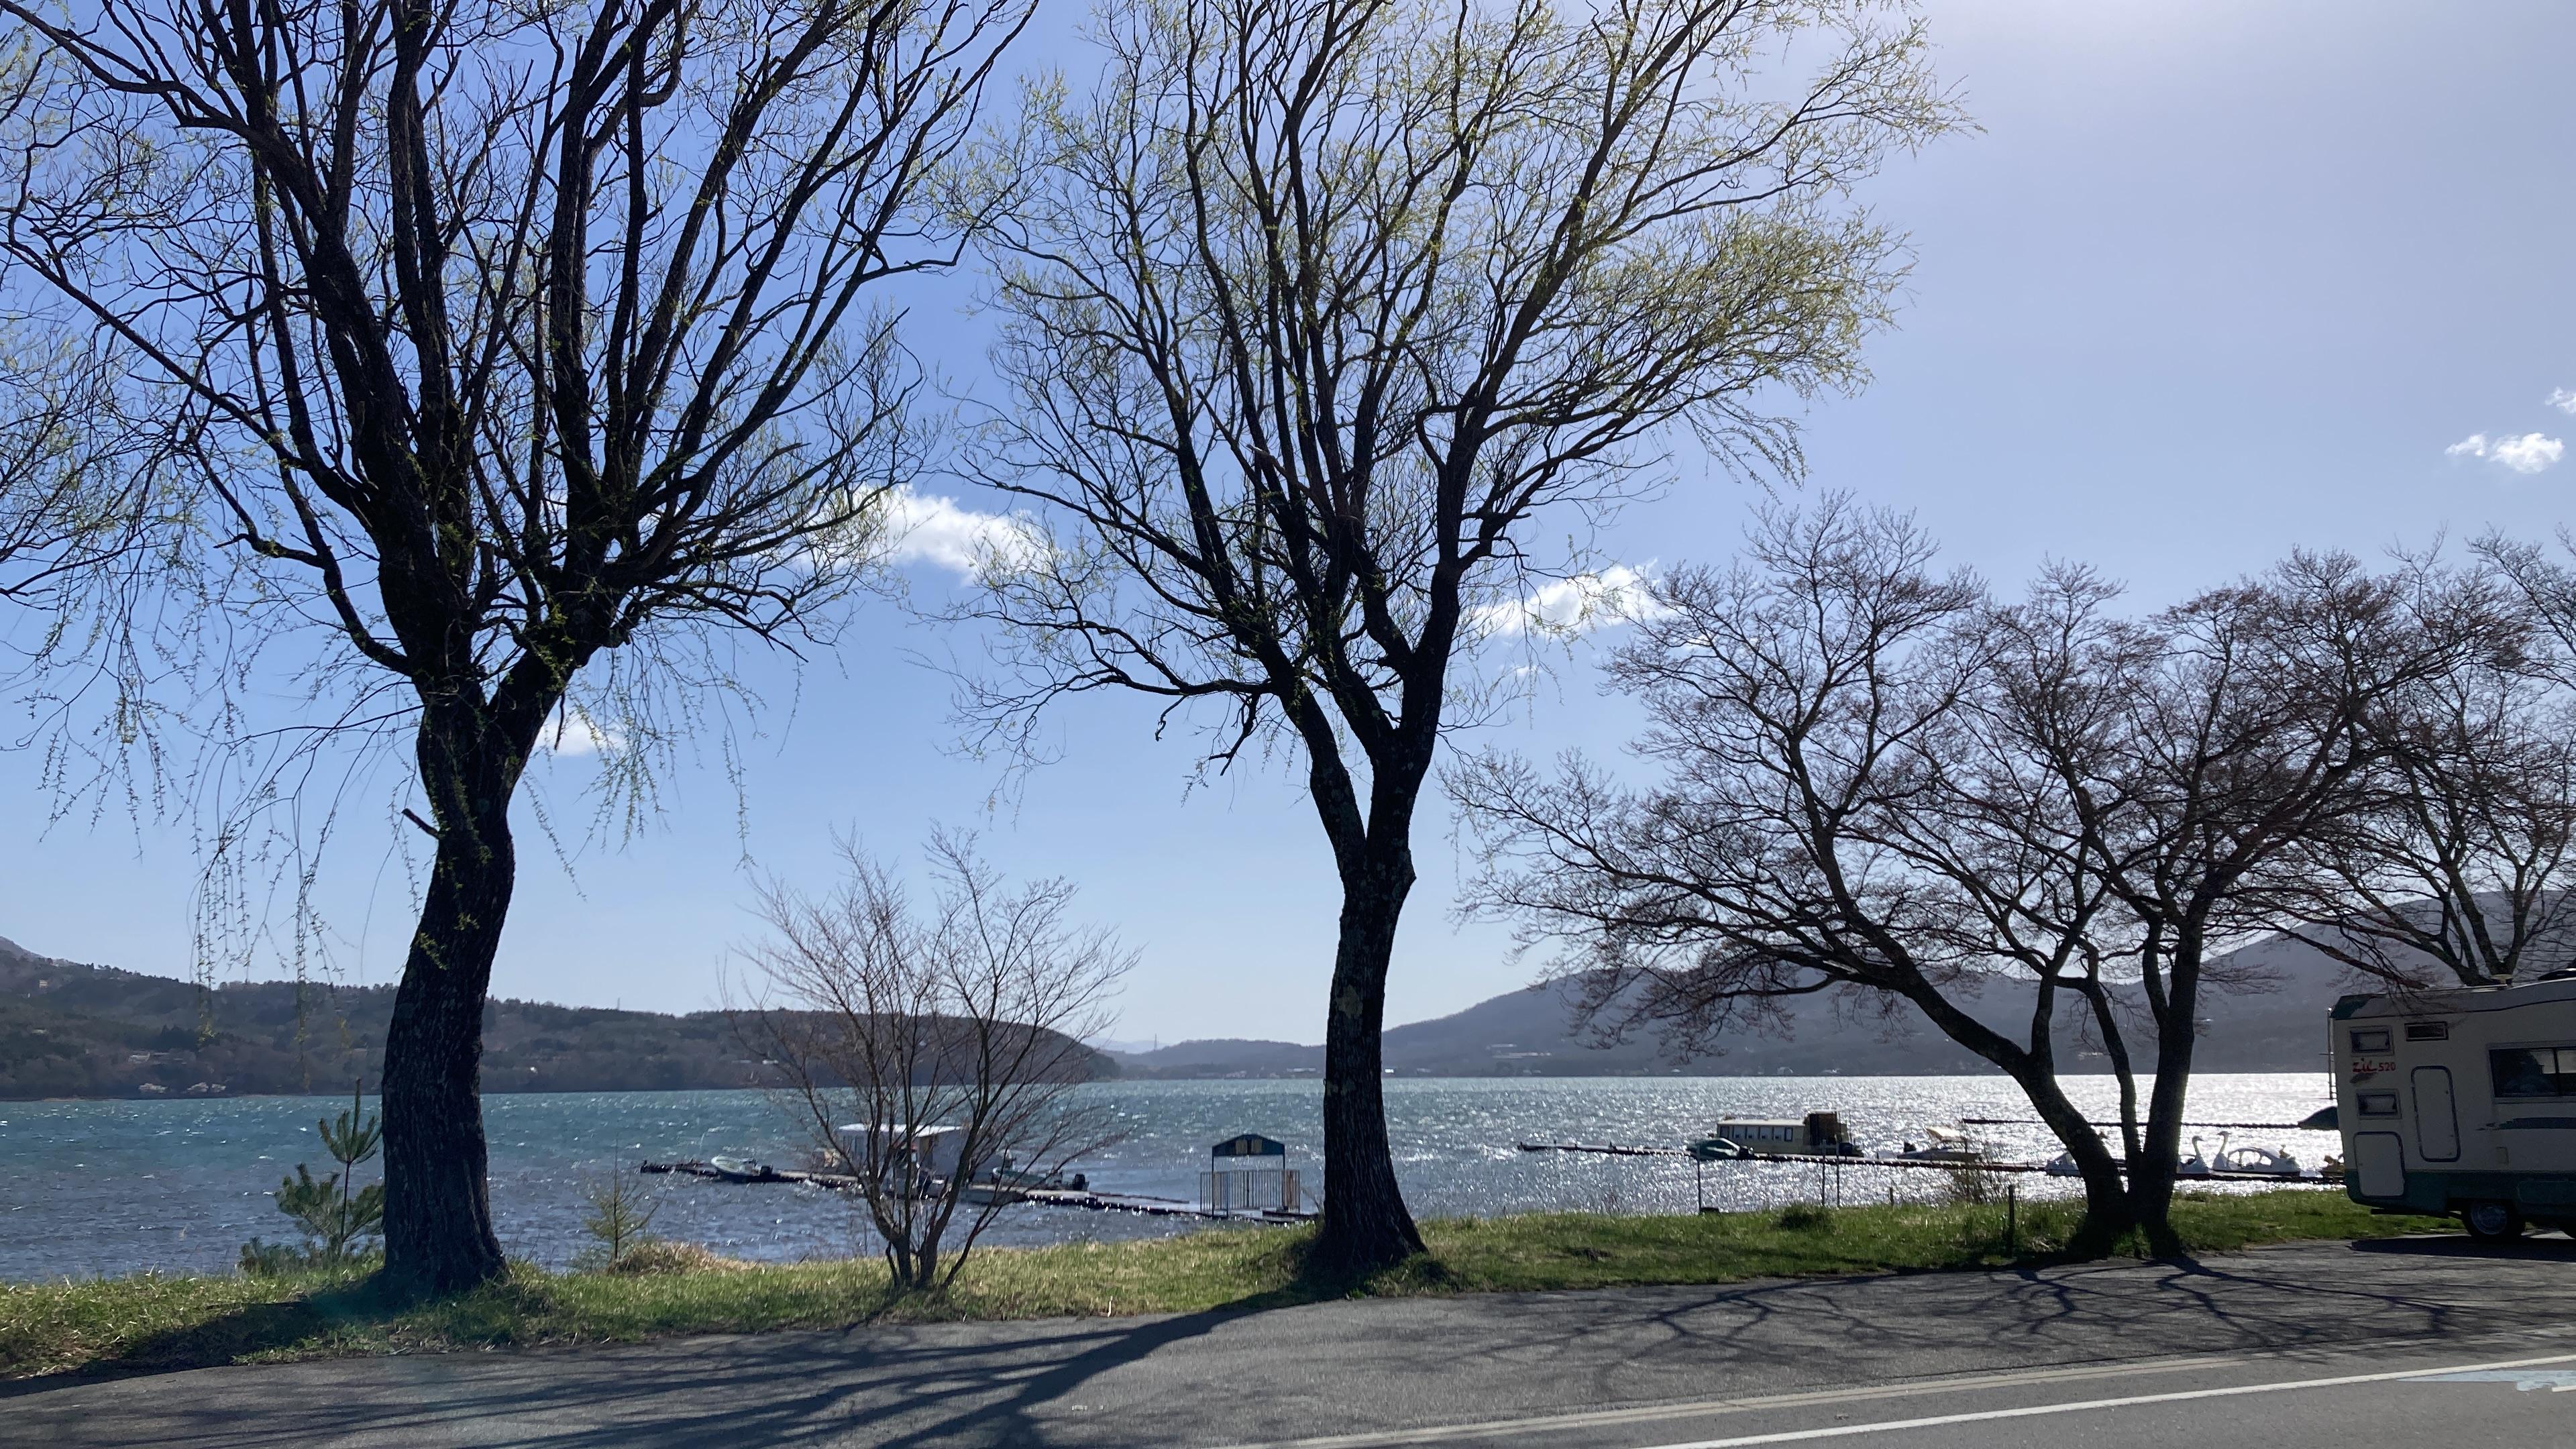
[(2426, 1341)]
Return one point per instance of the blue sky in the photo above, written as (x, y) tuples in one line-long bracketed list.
[(2215, 280)]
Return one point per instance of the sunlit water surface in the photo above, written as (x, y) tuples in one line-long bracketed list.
[(111, 1187)]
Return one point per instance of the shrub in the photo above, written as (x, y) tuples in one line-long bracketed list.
[(270, 1260), (1971, 1187), (656, 1255), (1806, 1217)]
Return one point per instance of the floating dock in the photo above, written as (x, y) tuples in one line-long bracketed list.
[(1098, 1202), (1818, 1159), (2206, 1126), (1161, 1207)]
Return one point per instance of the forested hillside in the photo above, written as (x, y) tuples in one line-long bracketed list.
[(69, 1030), (72, 1030), (2278, 1026)]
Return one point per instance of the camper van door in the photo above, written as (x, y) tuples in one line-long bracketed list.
[(2437, 1117)]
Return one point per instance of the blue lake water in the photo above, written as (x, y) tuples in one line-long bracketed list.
[(113, 1187)]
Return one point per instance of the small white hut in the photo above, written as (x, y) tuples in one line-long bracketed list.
[(1249, 1173)]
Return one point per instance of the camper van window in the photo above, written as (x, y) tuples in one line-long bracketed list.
[(2379, 1104), (2370, 1039), (2428, 1031), (2534, 1071)]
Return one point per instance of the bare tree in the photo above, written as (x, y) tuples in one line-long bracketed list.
[(930, 1051), (1838, 816), (1878, 780), (509, 343), (2452, 863), (1309, 311), (2200, 748)]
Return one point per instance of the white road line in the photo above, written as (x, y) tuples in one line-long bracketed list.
[(1699, 1408), (2034, 1411), (1904, 1389)]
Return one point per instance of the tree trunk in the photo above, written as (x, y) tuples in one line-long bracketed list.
[(2151, 1176), (2033, 1067), (2106, 1200), (1366, 1225), (438, 1209)]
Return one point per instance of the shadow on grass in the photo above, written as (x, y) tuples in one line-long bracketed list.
[(331, 1319), (1312, 1282), (368, 1316), (304, 1321), (922, 1385)]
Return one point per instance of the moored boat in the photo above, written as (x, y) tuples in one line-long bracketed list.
[(1943, 1145), (1818, 1134), (2263, 1161)]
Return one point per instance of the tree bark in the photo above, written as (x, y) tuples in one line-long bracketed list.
[(2151, 1176), (1366, 1224), (2107, 1211), (438, 1210)]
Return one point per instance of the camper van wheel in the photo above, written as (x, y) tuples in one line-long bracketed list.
[(2492, 1222)]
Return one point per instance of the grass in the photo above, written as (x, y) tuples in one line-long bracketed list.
[(152, 1321)]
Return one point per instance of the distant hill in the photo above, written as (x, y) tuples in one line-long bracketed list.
[(74, 1030), (1531, 1033), (1223, 1057), (71, 1030)]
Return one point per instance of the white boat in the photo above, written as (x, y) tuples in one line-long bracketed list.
[(2063, 1166), (2196, 1165), (742, 1169), (1943, 1146), (2264, 1160)]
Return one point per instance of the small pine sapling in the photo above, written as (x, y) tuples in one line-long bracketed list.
[(333, 1211), (621, 1212)]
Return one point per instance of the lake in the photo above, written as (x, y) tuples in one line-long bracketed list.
[(114, 1187)]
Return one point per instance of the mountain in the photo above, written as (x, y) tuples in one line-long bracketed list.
[(1223, 1057), (74, 1030), (2275, 1024)]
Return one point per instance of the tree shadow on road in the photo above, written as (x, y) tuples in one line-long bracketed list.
[(885, 1384), (361, 1318), (1077, 1382), (2451, 1246)]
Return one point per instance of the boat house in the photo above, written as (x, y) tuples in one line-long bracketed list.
[(1249, 1173), (1817, 1132)]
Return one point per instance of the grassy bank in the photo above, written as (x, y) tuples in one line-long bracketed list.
[(151, 1321)]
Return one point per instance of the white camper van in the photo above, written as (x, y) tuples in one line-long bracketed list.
[(2462, 1101)]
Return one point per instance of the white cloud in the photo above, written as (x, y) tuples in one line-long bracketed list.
[(928, 528), (1573, 605), (2563, 399), (2528, 453), (572, 733)]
